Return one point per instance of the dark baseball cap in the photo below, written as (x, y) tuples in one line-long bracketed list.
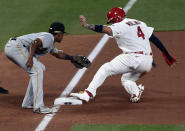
[(57, 27)]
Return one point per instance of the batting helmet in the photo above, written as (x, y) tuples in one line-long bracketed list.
[(115, 15)]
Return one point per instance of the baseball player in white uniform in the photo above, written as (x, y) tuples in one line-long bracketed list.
[(24, 51), (133, 38)]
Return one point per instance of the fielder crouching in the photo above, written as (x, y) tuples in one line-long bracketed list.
[(24, 50)]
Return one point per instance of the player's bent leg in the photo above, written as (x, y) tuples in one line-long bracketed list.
[(37, 83), (19, 55), (104, 71), (36, 77), (128, 81), (114, 67)]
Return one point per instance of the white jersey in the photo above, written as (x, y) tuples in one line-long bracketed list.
[(47, 43), (132, 35)]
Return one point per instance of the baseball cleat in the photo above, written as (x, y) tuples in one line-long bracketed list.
[(43, 110), (3, 90), (135, 98), (82, 95)]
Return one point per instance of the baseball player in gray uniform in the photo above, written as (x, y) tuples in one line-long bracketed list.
[(133, 38), (24, 50)]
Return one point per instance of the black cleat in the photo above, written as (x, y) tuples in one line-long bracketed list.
[(3, 91)]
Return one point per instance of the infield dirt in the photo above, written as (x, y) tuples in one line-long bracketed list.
[(162, 102)]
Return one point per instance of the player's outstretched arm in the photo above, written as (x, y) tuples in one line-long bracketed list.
[(61, 55), (78, 61), (97, 28), (168, 58)]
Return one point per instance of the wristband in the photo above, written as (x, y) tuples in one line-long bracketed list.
[(98, 28), (68, 57)]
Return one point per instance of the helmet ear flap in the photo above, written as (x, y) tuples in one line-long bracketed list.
[(110, 21), (119, 18)]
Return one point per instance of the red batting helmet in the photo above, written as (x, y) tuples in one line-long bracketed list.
[(115, 15)]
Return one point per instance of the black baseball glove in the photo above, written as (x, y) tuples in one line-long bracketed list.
[(80, 61)]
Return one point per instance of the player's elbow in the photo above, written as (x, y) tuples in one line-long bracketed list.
[(107, 30)]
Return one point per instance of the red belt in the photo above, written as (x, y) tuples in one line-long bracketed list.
[(139, 52)]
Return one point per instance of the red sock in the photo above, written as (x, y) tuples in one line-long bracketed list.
[(89, 93)]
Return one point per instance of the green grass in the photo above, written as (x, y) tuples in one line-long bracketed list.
[(164, 15), (128, 128), (20, 17)]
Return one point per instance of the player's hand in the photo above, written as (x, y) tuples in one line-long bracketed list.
[(83, 20), (29, 63), (169, 62)]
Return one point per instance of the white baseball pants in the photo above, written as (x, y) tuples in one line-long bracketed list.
[(17, 53), (130, 65)]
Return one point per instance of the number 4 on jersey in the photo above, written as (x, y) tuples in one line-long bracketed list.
[(140, 33)]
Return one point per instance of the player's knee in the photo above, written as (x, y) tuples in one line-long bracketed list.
[(36, 72), (124, 82), (128, 85)]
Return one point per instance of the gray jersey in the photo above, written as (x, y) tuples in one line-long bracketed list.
[(47, 43)]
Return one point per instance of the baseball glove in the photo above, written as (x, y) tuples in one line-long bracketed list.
[(80, 61)]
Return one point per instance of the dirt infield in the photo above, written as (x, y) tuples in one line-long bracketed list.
[(162, 102)]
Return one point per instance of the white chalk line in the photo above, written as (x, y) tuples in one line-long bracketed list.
[(129, 5), (48, 117)]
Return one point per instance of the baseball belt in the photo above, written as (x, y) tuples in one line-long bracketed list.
[(15, 40), (139, 52)]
